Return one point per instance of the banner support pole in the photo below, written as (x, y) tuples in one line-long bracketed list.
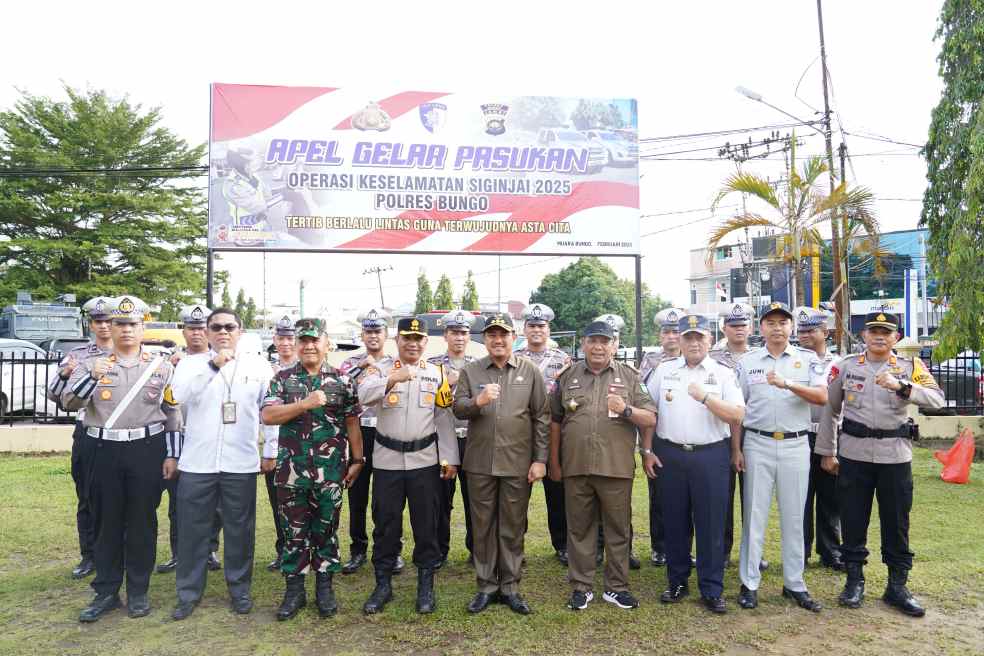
[(638, 308), (208, 278)]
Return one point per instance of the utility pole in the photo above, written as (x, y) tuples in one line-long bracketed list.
[(301, 303), (845, 232), (379, 279)]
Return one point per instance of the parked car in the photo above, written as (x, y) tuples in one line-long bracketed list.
[(59, 346), (962, 380), (564, 138), (25, 370), (620, 151)]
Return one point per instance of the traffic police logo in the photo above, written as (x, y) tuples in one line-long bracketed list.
[(371, 117), (672, 317), (460, 317), (737, 311), (197, 314), (372, 315), (495, 118), (285, 322), (803, 316), (126, 306), (536, 312), (433, 116), (100, 307)]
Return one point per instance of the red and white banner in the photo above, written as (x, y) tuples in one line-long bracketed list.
[(325, 169)]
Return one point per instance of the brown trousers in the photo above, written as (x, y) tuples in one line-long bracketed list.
[(585, 497), (498, 514)]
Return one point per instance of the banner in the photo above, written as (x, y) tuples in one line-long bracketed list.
[(325, 169)]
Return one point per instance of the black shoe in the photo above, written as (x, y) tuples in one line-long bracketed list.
[(516, 604), (674, 593), (426, 601), (748, 599), (399, 565), (714, 604), (633, 561), (898, 596), (295, 597), (763, 565), (834, 563), (324, 595), (85, 567), (242, 605), (137, 606), (622, 599), (381, 594), (562, 557), (213, 561), (852, 596), (274, 565), (99, 606), (481, 601), (802, 599), (354, 564), (183, 610), (580, 599), (168, 566), (658, 558)]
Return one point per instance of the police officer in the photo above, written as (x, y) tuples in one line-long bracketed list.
[(737, 326), (457, 334), (132, 417), (317, 410), (667, 321), (778, 382), (100, 343), (596, 407), (285, 341), (699, 400), (873, 456), (550, 362), (375, 322), (415, 451), (193, 319), (811, 329)]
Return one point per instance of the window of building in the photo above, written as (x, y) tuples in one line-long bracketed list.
[(723, 253)]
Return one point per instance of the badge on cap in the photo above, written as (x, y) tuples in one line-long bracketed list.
[(105, 395), (197, 314), (880, 317), (126, 306)]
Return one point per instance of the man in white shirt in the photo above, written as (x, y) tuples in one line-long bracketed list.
[(222, 391), (698, 399)]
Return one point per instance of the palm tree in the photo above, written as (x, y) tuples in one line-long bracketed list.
[(797, 212)]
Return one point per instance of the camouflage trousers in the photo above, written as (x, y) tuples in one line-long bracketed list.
[(309, 518)]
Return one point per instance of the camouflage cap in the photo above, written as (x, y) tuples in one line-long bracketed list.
[(310, 327)]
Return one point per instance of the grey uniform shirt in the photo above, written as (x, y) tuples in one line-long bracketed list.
[(550, 362), (450, 364), (768, 408), (57, 386), (356, 368), (407, 412), (816, 411), (726, 356), (853, 391)]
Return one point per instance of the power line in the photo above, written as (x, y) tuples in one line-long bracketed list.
[(777, 126)]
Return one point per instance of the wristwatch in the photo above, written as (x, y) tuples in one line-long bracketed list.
[(646, 452), (904, 391), (627, 412), (357, 461)]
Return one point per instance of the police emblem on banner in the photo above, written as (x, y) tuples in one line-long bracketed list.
[(371, 117), (433, 116), (495, 118)]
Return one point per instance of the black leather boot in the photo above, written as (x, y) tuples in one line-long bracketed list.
[(426, 602), (898, 595), (380, 596), (324, 595), (853, 593), (295, 598)]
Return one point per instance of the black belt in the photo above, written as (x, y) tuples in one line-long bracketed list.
[(857, 429), (693, 447), (779, 435), (404, 446)]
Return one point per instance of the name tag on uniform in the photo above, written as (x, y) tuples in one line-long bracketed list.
[(229, 412), (756, 378), (713, 389)]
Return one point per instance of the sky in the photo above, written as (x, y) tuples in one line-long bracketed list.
[(682, 61)]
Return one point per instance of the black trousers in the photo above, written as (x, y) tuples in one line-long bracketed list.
[(656, 540), (857, 483), (126, 490), (85, 522), (422, 490), (821, 492), (171, 487), (358, 497), (553, 494), (271, 489), (447, 505)]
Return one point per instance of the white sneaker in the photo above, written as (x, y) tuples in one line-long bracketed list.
[(580, 600), (621, 599)]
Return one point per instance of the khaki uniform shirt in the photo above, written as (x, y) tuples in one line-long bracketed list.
[(509, 434), (852, 389), (409, 411), (550, 362), (449, 364), (593, 443)]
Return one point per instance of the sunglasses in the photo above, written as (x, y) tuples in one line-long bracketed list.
[(219, 327)]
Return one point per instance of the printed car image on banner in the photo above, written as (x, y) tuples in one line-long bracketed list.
[(316, 168)]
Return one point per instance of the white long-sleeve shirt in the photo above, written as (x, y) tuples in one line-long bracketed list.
[(211, 446)]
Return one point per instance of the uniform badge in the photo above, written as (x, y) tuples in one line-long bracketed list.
[(572, 405), (519, 379), (105, 381), (371, 117), (797, 364), (618, 380), (433, 116), (393, 399), (669, 395), (850, 397), (105, 395), (397, 364)]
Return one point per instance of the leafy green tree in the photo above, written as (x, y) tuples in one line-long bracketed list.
[(249, 314), (469, 295), (240, 306), (68, 225), (425, 299), (444, 294), (953, 203), (226, 298)]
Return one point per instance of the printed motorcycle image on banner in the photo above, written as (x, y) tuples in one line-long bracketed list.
[(325, 169)]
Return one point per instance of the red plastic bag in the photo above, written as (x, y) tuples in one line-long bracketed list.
[(956, 461)]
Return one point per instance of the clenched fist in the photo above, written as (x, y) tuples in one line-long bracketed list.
[(100, 367), (489, 394), (315, 399), (888, 381)]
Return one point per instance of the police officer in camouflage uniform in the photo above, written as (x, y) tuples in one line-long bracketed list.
[(100, 344), (550, 362), (136, 426), (457, 334), (873, 455), (316, 407)]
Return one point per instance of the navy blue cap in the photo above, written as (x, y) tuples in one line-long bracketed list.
[(693, 323), (599, 329)]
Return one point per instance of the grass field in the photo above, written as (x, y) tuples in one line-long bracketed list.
[(39, 603)]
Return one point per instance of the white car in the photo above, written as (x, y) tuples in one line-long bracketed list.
[(566, 138), (25, 370), (620, 151)]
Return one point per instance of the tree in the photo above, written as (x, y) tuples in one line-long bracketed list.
[(444, 295), (953, 203), (240, 306), (797, 212), (425, 300), (249, 314), (68, 225), (226, 298), (535, 112), (469, 295)]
